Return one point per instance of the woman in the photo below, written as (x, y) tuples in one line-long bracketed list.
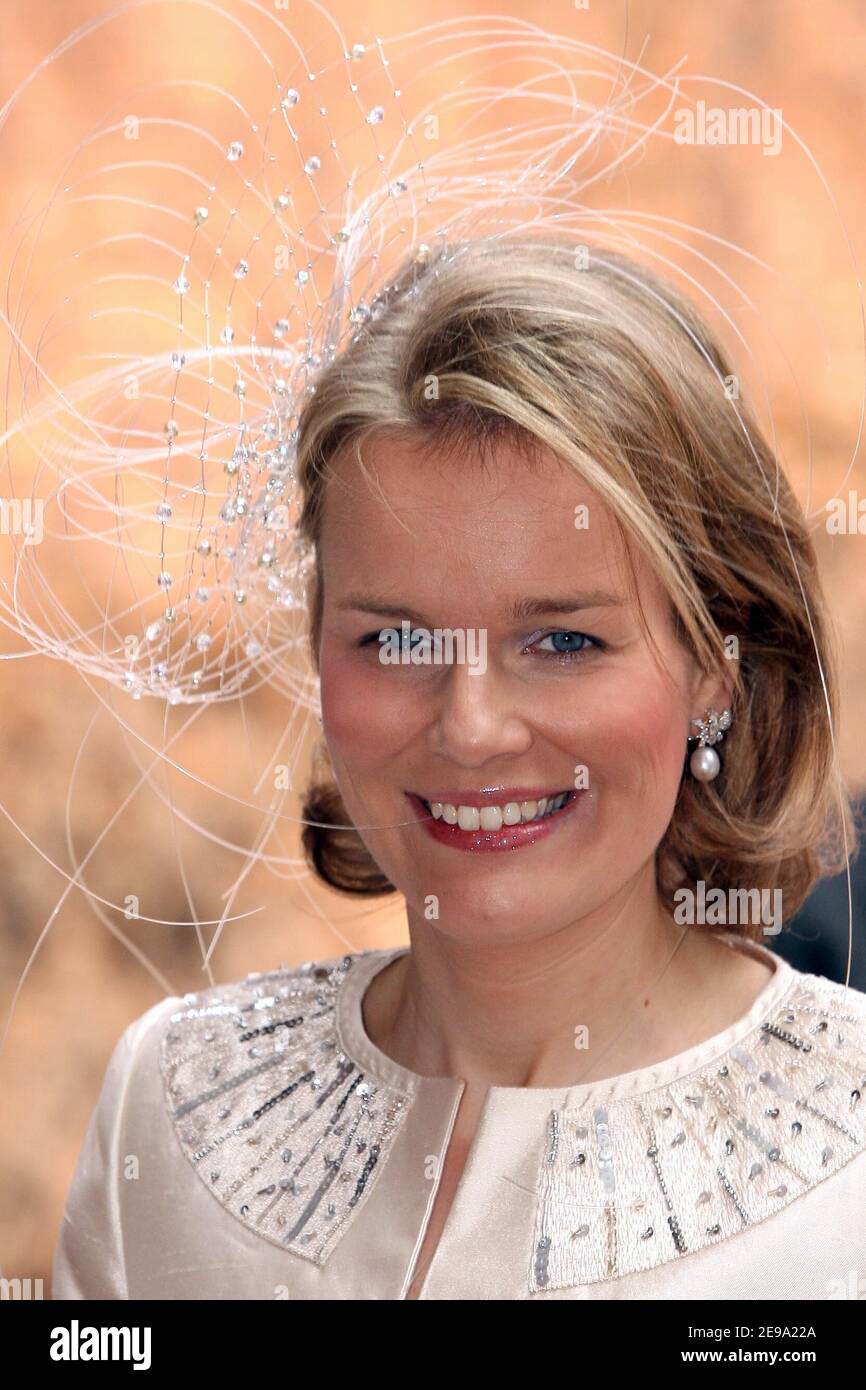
[(577, 701)]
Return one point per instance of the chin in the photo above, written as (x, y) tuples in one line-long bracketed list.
[(481, 911)]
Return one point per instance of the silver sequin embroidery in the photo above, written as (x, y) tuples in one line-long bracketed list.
[(699, 1160), (280, 1125)]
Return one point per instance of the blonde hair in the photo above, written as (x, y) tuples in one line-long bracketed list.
[(599, 360)]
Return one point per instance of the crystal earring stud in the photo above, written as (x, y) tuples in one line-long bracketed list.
[(704, 762)]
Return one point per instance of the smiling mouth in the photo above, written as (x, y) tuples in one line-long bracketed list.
[(498, 817)]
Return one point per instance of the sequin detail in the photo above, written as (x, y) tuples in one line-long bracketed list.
[(667, 1172), (281, 1126)]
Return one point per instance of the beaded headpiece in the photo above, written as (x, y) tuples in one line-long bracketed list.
[(163, 464)]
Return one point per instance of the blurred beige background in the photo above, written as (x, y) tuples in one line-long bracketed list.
[(86, 984)]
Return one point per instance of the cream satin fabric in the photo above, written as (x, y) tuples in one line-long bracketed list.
[(140, 1222)]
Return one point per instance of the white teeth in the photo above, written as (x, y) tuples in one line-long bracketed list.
[(494, 817)]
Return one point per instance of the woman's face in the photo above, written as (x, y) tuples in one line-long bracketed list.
[(556, 689)]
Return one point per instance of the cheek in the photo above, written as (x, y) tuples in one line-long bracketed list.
[(657, 749), (631, 734), (362, 712)]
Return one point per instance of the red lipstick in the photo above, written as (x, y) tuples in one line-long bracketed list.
[(510, 837)]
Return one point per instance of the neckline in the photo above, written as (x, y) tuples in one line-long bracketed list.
[(360, 1048)]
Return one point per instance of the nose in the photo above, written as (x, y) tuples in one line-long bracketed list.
[(478, 718)]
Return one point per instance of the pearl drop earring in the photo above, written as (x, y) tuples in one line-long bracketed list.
[(705, 762)]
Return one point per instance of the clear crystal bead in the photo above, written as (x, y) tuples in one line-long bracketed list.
[(234, 151), (376, 116), (312, 164)]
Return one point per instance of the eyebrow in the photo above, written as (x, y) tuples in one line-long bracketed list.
[(517, 611)]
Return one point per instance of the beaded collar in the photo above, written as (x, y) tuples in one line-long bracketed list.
[(282, 1125), (290, 1132), (654, 1176)]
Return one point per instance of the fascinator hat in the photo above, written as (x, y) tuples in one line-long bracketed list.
[(260, 188), (224, 276), (236, 243)]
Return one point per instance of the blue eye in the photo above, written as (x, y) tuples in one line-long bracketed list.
[(574, 644)]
